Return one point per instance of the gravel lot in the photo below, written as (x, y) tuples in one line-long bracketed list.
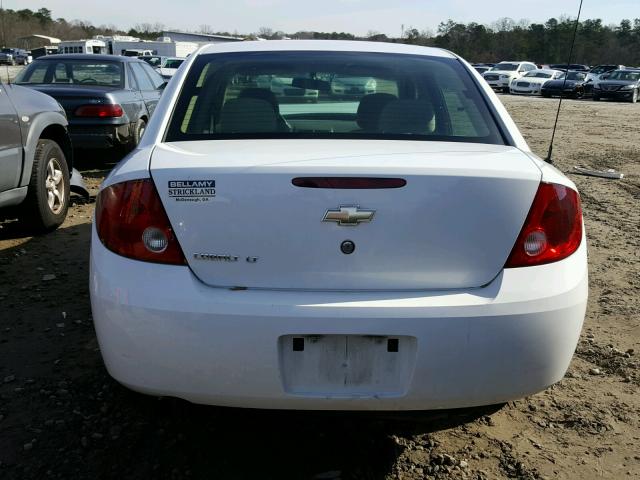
[(62, 416)]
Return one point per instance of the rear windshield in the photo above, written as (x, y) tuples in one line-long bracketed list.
[(539, 74), (331, 95), (173, 63), (625, 75), (505, 67), (77, 72)]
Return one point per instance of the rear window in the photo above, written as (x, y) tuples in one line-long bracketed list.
[(330, 95), (78, 72), (173, 63)]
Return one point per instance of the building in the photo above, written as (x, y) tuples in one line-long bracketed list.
[(200, 38), (34, 41)]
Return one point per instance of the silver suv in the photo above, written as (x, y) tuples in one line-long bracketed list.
[(35, 157)]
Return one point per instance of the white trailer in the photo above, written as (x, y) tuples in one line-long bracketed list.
[(164, 47), (82, 46)]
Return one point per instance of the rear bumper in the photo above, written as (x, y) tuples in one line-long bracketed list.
[(99, 136), (161, 331)]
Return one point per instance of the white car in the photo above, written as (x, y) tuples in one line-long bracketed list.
[(170, 67), (501, 75), (397, 252), (531, 82), (347, 85)]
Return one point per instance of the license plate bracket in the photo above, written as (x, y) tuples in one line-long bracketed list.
[(346, 365)]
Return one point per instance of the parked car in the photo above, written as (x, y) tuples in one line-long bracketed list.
[(532, 82), (170, 67), (15, 56), (481, 68), (36, 161), (595, 72), (108, 99), (349, 86), (618, 85), (396, 252), (571, 66), (136, 52), (574, 86), (156, 61), (285, 88), (501, 76)]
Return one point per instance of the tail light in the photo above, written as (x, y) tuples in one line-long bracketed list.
[(101, 111), (131, 221), (552, 230)]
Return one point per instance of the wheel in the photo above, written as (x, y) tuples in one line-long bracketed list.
[(47, 201), (138, 131), (634, 96), (505, 89)]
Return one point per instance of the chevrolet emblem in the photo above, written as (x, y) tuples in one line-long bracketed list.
[(348, 216)]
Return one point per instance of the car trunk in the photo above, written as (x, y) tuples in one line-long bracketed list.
[(241, 221), (71, 97)]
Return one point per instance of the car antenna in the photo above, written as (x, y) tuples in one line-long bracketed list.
[(564, 83)]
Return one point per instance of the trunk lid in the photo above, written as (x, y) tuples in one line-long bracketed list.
[(244, 224), (71, 97)]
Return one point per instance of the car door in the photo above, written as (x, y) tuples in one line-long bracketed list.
[(149, 91), (10, 142)]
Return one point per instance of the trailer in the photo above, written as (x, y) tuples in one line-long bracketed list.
[(164, 46), (95, 46)]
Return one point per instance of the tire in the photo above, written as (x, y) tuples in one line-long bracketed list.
[(634, 96), (47, 201), (596, 98), (505, 90), (546, 95)]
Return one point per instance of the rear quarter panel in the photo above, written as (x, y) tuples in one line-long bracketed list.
[(36, 111)]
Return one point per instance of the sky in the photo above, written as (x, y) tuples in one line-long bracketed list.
[(353, 16)]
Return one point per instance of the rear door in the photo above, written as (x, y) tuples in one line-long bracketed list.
[(149, 85), (10, 143)]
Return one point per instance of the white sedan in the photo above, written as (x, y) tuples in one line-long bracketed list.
[(398, 251), (170, 67), (531, 83)]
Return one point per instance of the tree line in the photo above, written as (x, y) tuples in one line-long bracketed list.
[(547, 42)]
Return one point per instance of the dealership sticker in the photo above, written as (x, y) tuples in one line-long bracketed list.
[(192, 190)]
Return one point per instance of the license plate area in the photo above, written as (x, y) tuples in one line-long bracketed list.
[(346, 365)]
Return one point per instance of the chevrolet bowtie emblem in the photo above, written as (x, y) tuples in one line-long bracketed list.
[(348, 216)]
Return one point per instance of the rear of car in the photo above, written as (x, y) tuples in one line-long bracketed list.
[(399, 250), (101, 102)]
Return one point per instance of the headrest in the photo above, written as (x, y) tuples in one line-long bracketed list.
[(408, 116), (261, 94), (369, 110), (247, 115)]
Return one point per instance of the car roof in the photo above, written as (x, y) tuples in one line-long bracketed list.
[(324, 46), (88, 56)]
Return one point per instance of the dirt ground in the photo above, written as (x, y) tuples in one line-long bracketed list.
[(62, 416)]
